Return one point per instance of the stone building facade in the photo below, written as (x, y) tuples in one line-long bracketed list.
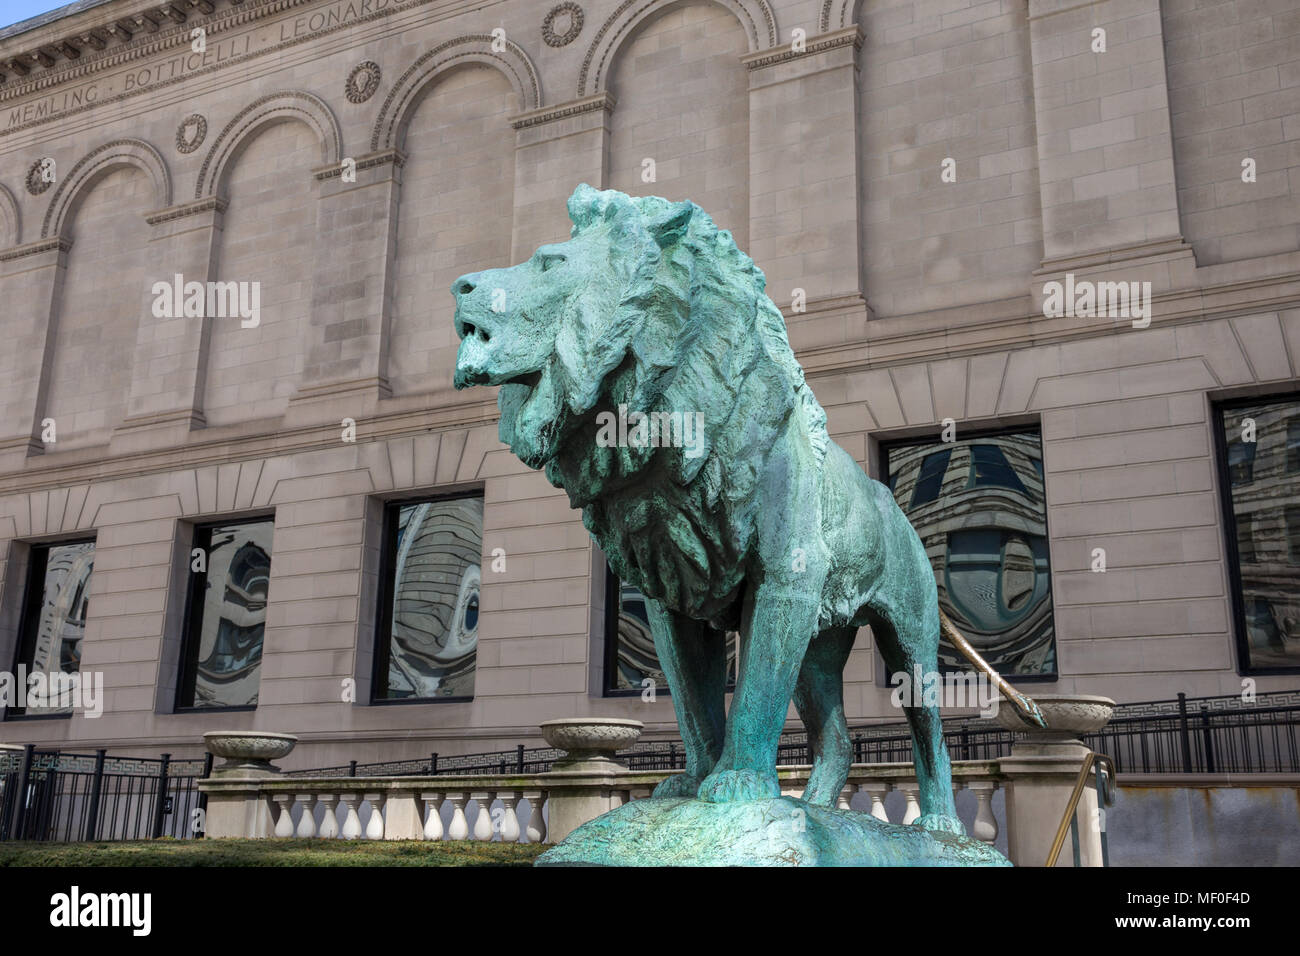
[(912, 175)]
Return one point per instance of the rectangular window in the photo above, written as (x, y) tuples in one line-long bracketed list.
[(53, 623), (429, 611), (1260, 482), (987, 538), (630, 657), (230, 577)]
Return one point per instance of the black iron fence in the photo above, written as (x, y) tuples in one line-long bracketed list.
[(47, 795), (60, 796), (1183, 735)]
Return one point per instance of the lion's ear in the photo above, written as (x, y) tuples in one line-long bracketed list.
[(582, 204), (669, 225)]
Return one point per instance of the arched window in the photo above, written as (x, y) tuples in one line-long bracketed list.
[(683, 113)]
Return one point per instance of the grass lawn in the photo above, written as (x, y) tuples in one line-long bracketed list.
[(232, 852)]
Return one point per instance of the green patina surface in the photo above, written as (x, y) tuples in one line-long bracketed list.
[(676, 831), (755, 521)]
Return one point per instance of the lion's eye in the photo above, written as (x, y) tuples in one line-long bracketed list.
[(549, 262)]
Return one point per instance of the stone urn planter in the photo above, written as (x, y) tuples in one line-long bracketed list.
[(248, 752), (1068, 716), (590, 742)]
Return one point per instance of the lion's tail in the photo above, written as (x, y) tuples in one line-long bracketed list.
[(1023, 704)]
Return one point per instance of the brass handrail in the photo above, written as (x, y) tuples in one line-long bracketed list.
[(1105, 796)]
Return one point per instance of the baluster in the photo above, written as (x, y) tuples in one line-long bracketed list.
[(483, 822), (911, 791), (307, 822), (536, 829), (876, 791), (845, 796), (509, 820), (375, 825), (458, 829), (986, 825), (433, 823), (641, 792), (329, 827), (284, 822), (351, 821)]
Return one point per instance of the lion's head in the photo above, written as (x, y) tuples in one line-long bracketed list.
[(550, 329), (648, 303)]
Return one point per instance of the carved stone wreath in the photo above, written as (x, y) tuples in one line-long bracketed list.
[(574, 13), (363, 82), (191, 133), (36, 183)]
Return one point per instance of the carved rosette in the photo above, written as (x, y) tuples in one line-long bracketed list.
[(191, 133), (568, 17), (362, 82), (36, 183)]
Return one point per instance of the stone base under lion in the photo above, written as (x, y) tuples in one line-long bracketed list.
[(780, 831)]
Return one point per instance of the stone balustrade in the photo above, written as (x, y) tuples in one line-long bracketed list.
[(248, 797), (513, 808)]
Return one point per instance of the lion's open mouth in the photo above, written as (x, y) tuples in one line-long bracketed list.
[(529, 380)]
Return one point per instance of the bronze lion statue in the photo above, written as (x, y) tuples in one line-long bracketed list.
[(759, 523)]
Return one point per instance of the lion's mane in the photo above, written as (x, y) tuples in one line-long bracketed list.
[(696, 332)]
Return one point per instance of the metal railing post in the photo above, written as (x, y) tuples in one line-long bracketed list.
[(1184, 732), (20, 798), (96, 786), (1207, 739), (519, 762), (160, 804), (1102, 795), (10, 822), (200, 833), (433, 764)]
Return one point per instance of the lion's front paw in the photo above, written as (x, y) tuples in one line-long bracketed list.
[(680, 785), (734, 786), (941, 822)]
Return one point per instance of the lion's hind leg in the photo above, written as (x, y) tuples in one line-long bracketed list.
[(910, 651), (819, 698)]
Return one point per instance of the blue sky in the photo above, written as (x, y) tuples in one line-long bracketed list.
[(12, 11)]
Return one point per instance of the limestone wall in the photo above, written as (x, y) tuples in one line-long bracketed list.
[(921, 300)]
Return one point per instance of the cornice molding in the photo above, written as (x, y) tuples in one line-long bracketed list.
[(549, 114), (139, 42), (191, 208), (849, 36), (369, 161), (174, 39), (52, 244)]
